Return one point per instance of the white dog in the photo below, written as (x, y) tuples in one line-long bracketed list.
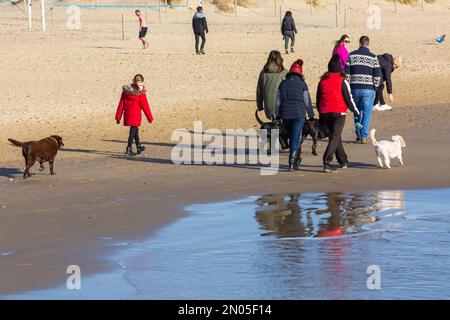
[(388, 149)]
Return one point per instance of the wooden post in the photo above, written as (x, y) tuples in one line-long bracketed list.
[(51, 17), (345, 13), (165, 5), (337, 16), (159, 11), (146, 10), (235, 8), (422, 5), (43, 22), (123, 27), (311, 6), (395, 8), (275, 4), (280, 15), (30, 16)]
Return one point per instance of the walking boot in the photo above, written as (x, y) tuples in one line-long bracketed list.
[(129, 153), (292, 160), (140, 149), (297, 161)]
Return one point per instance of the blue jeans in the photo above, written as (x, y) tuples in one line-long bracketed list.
[(294, 128), (364, 99)]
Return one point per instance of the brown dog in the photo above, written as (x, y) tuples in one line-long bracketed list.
[(43, 150)]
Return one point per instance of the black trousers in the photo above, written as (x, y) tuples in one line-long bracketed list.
[(379, 96), (197, 39), (335, 125), (134, 135)]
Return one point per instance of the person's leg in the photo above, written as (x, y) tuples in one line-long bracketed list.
[(382, 101), (357, 98), (131, 137), (294, 142), (367, 106), (340, 153), (298, 159), (292, 41), (286, 41), (197, 36), (136, 137), (333, 139), (379, 95), (203, 42)]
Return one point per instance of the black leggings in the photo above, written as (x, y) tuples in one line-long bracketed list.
[(134, 135), (335, 125), (379, 96)]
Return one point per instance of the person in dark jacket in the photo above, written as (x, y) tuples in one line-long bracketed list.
[(288, 30), (387, 64), (333, 98), (293, 103), (200, 27)]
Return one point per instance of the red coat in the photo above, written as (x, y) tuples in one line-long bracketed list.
[(331, 97), (130, 105)]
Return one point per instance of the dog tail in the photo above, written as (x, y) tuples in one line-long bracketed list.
[(258, 118), (372, 137), (15, 142)]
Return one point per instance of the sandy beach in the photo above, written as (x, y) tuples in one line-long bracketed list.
[(69, 82)]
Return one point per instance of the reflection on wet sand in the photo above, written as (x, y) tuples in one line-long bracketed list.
[(323, 215)]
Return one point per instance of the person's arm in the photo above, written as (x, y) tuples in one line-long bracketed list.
[(205, 25), (347, 65), (278, 105), (259, 92), (120, 108), (387, 76), (193, 23), (318, 97), (293, 26), (376, 73), (348, 98), (307, 102), (143, 102)]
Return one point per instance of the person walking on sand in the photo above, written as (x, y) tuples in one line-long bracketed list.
[(387, 64), (200, 27), (142, 28), (132, 103), (340, 49), (268, 82), (363, 70), (288, 30), (293, 103), (333, 99)]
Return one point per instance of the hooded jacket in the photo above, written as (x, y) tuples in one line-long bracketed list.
[(387, 67), (132, 103), (266, 91), (199, 24), (288, 24), (293, 100)]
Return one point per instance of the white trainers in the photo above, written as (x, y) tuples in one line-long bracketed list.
[(385, 107), (376, 107)]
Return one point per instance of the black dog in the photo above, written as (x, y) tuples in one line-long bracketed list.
[(312, 128), (273, 125)]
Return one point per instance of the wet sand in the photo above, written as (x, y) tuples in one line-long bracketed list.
[(48, 222)]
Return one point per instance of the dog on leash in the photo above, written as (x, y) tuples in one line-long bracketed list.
[(387, 150), (269, 126), (312, 128), (44, 150)]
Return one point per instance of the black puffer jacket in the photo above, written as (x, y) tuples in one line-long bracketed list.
[(387, 67), (199, 24), (288, 24)]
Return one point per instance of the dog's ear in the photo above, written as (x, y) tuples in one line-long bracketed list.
[(400, 140), (59, 139)]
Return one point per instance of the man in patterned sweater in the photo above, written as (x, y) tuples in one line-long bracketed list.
[(363, 70)]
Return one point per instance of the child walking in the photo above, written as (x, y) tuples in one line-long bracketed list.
[(132, 102)]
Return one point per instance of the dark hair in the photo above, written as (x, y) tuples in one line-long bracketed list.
[(334, 66), (136, 78), (364, 41), (340, 41), (274, 57), (137, 11), (288, 13), (199, 9)]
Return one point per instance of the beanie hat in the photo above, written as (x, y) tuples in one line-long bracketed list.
[(297, 67)]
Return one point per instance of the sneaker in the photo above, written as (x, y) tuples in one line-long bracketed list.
[(358, 139), (385, 107), (377, 107), (202, 51), (287, 51), (328, 168), (344, 166), (198, 52), (139, 149), (129, 153), (292, 50)]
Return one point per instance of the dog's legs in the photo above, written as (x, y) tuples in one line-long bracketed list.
[(41, 164), (400, 159), (314, 146), (387, 160), (50, 161), (380, 161), (29, 163)]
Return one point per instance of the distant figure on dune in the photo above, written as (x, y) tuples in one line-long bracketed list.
[(363, 70), (340, 49), (387, 64), (268, 82), (200, 27), (142, 28), (132, 103), (288, 29)]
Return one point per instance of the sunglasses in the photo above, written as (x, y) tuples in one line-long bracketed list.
[(347, 41)]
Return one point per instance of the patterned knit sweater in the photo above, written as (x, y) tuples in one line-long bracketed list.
[(363, 69)]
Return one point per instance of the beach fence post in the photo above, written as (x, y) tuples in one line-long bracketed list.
[(43, 22), (146, 9), (337, 15), (165, 5), (30, 16), (422, 5), (51, 17), (123, 27), (280, 16), (159, 12), (235, 8), (395, 6), (311, 5), (275, 7), (345, 13)]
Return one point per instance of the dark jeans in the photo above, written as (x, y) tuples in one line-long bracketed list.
[(294, 128), (289, 35), (197, 38), (335, 125), (134, 135), (379, 96)]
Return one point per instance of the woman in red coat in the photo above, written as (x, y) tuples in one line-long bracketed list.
[(132, 102)]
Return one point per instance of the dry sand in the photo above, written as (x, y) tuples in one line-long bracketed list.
[(68, 83)]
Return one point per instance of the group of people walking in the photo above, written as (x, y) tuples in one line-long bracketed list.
[(352, 81)]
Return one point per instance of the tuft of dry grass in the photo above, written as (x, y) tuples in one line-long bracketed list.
[(228, 5)]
